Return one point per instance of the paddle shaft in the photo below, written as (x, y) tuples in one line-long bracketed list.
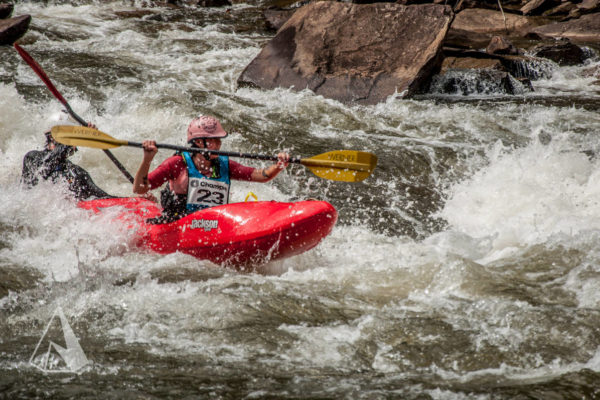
[(307, 162), (40, 72), (218, 152)]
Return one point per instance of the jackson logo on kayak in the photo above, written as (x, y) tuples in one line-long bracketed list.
[(206, 224)]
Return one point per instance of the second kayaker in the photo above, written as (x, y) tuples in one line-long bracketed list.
[(52, 164), (196, 181)]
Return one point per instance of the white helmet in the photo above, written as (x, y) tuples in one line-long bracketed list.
[(61, 118)]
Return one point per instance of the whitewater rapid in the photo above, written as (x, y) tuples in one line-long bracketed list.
[(466, 266)]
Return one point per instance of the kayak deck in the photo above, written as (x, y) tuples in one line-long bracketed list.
[(239, 234)]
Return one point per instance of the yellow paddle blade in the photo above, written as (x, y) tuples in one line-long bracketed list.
[(83, 136), (342, 165)]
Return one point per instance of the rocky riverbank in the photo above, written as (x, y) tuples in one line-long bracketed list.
[(363, 53), (480, 47)]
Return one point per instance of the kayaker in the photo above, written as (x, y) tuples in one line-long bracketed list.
[(195, 180), (52, 164)]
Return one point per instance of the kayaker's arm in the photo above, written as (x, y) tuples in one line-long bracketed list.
[(268, 173), (140, 182)]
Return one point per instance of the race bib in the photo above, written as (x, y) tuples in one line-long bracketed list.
[(204, 193)]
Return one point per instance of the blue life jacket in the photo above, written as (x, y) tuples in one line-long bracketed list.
[(204, 192)]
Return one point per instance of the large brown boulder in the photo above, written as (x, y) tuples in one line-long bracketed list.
[(582, 30), (353, 53), (12, 29)]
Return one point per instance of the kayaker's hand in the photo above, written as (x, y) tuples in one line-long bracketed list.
[(150, 149), (283, 160), (149, 196), (91, 125)]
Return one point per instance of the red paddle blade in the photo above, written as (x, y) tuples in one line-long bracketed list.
[(40, 72)]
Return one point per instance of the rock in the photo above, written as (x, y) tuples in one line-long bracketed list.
[(589, 6), (134, 14), (537, 7), (353, 53), (562, 9), (403, 2), (466, 40), (519, 66), (213, 3), (12, 29), (529, 68), (562, 52), (500, 45), (451, 63), (492, 22), (513, 5), (477, 82), (275, 18), (583, 30), (6, 10)]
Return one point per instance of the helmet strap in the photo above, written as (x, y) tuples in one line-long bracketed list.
[(205, 155)]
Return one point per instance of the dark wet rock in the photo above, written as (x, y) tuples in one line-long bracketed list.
[(525, 67), (12, 29), (403, 2), (582, 30), (493, 22), (477, 82), (519, 66), (562, 52), (6, 10), (537, 7), (510, 5), (501, 45), (276, 17), (353, 53), (134, 13), (462, 39), (589, 6), (213, 3), (451, 63), (560, 10)]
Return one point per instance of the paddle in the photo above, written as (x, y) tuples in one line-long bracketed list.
[(40, 72), (339, 165)]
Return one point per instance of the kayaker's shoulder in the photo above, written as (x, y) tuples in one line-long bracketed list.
[(34, 156), (176, 160)]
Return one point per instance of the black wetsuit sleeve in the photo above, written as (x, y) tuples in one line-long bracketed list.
[(44, 164), (31, 165), (81, 183)]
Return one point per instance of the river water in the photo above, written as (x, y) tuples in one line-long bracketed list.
[(466, 267)]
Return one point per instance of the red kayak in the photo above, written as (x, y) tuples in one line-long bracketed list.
[(238, 234)]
